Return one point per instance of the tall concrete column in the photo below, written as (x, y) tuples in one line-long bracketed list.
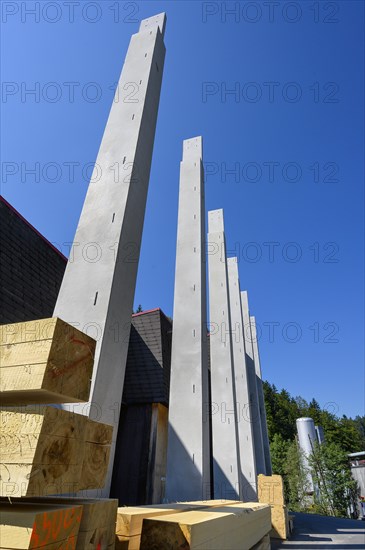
[(248, 483), (260, 391), (226, 466), (252, 384), (188, 452), (98, 287)]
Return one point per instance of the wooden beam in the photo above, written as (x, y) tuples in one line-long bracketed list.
[(157, 453), (35, 526), (98, 521), (130, 518), (271, 489), (44, 361), (45, 451), (238, 526), (280, 522), (97, 438)]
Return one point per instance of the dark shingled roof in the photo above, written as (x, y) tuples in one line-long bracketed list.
[(31, 269)]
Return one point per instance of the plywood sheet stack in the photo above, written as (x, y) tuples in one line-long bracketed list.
[(271, 491), (193, 525), (46, 450)]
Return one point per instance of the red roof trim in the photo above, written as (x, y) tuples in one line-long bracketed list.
[(151, 311), (32, 227), (147, 311)]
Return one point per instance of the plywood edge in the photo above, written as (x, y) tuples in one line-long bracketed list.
[(97, 512), (27, 331), (19, 398), (195, 517)]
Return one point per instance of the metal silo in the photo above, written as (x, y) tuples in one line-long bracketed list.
[(306, 434), (320, 434), (307, 437)]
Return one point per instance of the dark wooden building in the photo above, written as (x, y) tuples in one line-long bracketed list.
[(140, 460)]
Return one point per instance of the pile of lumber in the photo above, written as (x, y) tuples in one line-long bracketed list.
[(194, 525), (46, 450), (271, 491), (45, 361)]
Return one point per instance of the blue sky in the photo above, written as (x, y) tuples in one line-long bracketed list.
[(292, 130)]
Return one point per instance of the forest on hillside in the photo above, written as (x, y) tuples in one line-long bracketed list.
[(337, 493), (282, 410)]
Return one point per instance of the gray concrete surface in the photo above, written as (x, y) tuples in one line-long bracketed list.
[(358, 473), (260, 394), (97, 291), (248, 482), (188, 451), (252, 385), (226, 466), (321, 532)]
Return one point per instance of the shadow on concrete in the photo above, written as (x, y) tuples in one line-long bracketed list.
[(185, 479), (223, 488), (220, 486)]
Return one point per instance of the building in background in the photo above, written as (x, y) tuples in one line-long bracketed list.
[(140, 460), (320, 434), (357, 464)]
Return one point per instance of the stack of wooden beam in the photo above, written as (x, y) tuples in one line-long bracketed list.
[(46, 450), (271, 491), (195, 525)]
